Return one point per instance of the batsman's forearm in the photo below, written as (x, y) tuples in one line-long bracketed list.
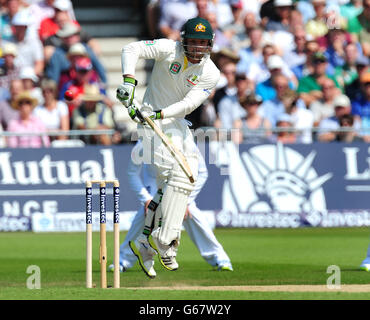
[(184, 107), (129, 58)]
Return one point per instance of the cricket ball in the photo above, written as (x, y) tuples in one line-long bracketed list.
[(69, 95)]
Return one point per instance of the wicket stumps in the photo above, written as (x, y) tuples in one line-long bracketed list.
[(103, 234)]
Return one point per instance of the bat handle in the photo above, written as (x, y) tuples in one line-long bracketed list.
[(138, 113)]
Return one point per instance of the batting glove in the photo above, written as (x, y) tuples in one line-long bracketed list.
[(126, 91), (147, 111), (135, 114)]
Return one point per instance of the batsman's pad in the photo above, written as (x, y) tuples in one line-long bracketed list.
[(171, 211)]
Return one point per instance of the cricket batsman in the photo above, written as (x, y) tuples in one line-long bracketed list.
[(142, 182), (182, 78)]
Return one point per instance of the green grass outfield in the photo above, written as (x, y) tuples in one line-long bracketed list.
[(259, 257)]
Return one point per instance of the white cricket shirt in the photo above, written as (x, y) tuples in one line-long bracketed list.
[(176, 86)]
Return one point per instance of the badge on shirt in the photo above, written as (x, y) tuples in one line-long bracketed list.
[(192, 80), (175, 67), (149, 42)]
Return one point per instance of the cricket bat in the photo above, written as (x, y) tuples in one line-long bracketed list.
[(176, 153)]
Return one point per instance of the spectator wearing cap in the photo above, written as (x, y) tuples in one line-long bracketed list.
[(253, 127), (58, 63), (222, 57), (53, 112), (229, 108), (237, 11), (31, 83), (283, 9), (302, 118), (324, 107), (30, 49), (266, 88), (8, 71), (260, 72), (83, 70), (49, 26), (359, 27), (362, 67), (328, 127), (7, 112), (287, 136), (43, 9), (93, 114), (361, 105), (27, 123), (309, 87), (311, 47), (236, 28), (281, 31), (267, 12), (75, 53)]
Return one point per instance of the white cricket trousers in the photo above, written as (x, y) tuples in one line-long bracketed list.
[(197, 228)]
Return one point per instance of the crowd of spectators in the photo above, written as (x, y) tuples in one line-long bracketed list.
[(291, 71), (300, 65), (43, 53)]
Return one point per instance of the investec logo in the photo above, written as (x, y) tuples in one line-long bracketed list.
[(47, 171), (88, 205)]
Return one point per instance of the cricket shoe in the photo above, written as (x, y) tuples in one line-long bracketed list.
[(224, 266), (365, 267), (166, 254), (145, 253), (121, 268)]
